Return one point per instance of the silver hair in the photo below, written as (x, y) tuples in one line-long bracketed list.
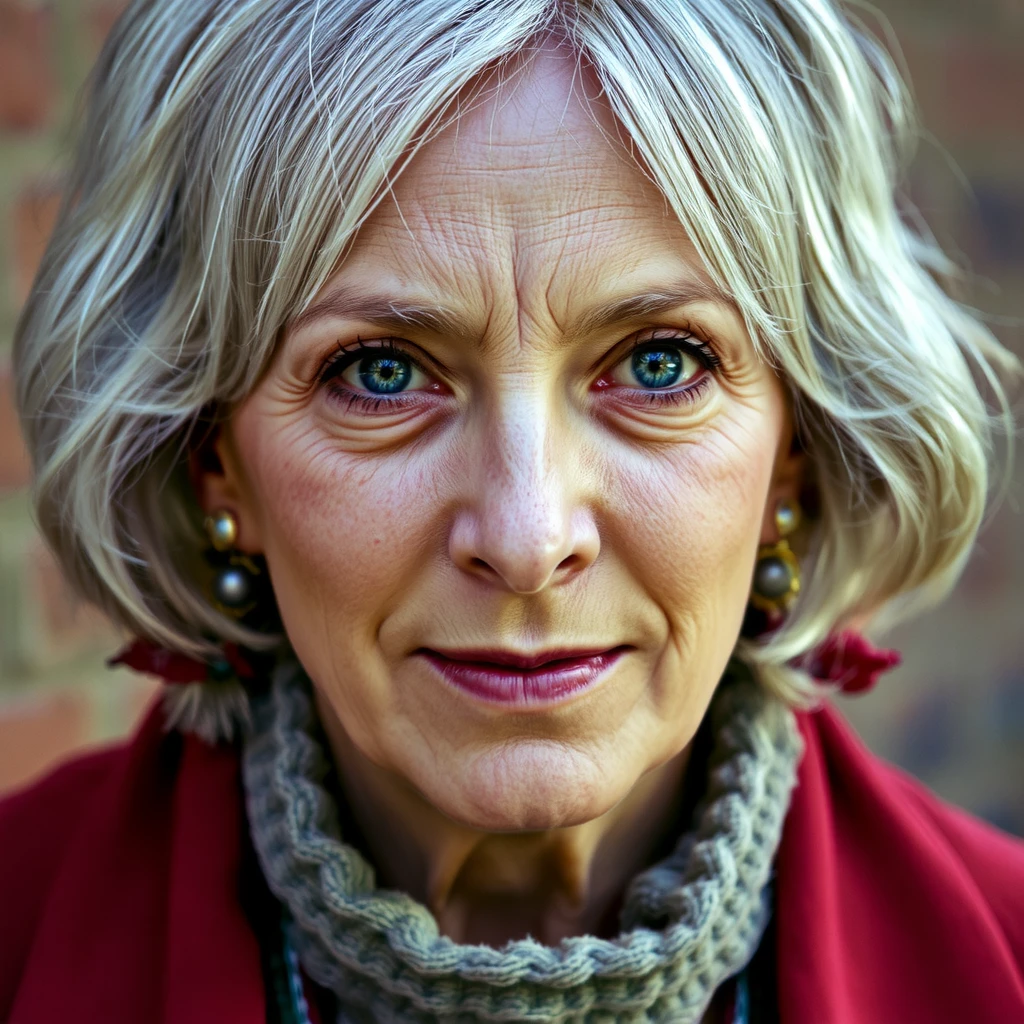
[(232, 149)]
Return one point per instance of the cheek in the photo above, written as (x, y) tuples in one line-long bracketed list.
[(341, 535), (694, 518)]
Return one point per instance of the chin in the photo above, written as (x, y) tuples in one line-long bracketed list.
[(530, 786)]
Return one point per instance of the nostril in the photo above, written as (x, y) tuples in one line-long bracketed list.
[(525, 557)]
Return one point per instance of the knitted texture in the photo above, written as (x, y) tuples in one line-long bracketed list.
[(690, 922)]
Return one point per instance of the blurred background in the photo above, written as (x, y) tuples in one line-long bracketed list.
[(953, 714)]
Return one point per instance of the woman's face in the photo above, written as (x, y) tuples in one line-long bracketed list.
[(569, 447)]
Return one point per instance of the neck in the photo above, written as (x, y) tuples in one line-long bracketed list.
[(493, 887)]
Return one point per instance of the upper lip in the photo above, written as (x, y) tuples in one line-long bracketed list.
[(516, 659)]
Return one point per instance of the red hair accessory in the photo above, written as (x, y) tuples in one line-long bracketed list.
[(179, 669), (848, 659), (207, 698)]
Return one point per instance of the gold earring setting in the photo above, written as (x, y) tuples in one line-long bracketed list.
[(235, 582), (776, 581)]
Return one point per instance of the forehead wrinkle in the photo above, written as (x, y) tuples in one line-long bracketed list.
[(515, 242), (483, 276), (448, 252)]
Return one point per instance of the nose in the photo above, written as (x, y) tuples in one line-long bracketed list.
[(525, 523)]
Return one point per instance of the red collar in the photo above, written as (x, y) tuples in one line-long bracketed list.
[(119, 880)]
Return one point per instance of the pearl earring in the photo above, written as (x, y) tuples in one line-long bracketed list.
[(235, 581), (777, 571)]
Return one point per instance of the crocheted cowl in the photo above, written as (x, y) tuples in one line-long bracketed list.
[(688, 923)]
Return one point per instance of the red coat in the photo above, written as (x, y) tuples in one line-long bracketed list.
[(119, 894)]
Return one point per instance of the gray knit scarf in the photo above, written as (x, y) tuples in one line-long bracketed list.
[(688, 923)]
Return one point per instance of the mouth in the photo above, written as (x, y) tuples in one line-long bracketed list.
[(510, 677)]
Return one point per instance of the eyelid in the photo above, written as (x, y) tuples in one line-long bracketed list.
[(701, 348), (343, 356), (691, 338)]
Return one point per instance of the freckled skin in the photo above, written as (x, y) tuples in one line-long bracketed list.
[(518, 506)]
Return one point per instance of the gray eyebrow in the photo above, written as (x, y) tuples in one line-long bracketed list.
[(647, 304), (383, 311), (386, 312)]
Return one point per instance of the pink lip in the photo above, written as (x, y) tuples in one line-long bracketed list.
[(505, 677)]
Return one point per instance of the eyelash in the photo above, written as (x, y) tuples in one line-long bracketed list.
[(344, 357), (687, 395)]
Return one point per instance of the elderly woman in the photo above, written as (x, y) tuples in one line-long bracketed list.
[(559, 388)]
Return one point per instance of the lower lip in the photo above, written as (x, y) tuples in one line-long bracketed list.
[(547, 684)]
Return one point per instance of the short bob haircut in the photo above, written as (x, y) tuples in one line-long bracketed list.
[(232, 148)]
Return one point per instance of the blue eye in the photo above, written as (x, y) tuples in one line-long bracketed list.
[(374, 373), (378, 377), (385, 374), (658, 366), (663, 371)]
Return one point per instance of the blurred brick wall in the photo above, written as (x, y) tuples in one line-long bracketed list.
[(953, 714), (56, 696)]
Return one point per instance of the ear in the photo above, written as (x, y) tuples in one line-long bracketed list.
[(789, 478), (219, 483)]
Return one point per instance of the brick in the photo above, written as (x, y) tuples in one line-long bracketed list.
[(929, 17), (993, 228), (34, 215), (101, 20), (39, 731), (982, 86), (28, 86), (1011, 14), (990, 570), (930, 734), (14, 462), (922, 65), (68, 626)]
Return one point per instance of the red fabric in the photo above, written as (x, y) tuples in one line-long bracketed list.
[(892, 906), (850, 660), (119, 903), (173, 667), (118, 889), (170, 666)]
